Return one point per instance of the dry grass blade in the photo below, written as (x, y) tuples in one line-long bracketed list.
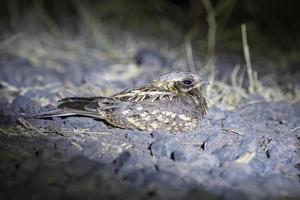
[(296, 128), (4, 131), (231, 131), (7, 86), (246, 158), (252, 77), (11, 39), (189, 54), (75, 144), (252, 103), (25, 124)]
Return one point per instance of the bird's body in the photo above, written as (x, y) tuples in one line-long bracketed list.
[(173, 103)]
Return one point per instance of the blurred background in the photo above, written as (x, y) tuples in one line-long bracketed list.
[(204, 36), (273, 26)]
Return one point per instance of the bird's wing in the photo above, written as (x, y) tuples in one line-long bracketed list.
[(97, 107), (150, 91)]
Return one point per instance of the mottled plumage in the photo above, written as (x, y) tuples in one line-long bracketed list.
[(173, 102)]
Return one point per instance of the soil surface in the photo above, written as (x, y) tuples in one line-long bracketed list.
[(251, 152)]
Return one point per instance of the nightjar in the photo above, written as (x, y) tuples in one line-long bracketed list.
[(174, 103)]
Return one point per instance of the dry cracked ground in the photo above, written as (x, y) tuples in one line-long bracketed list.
[(249, 152)]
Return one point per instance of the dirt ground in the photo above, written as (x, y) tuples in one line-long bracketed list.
[(249, 152)]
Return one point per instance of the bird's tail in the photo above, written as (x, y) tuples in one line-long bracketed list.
[(74, 106)]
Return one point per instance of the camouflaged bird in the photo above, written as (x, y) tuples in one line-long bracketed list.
[(174, 103)]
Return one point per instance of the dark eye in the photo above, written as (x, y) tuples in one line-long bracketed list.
[(188, 82)]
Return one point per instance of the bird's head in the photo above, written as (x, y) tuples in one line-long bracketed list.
[(181, 83)]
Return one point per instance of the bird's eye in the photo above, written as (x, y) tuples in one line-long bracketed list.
[(188, 82)]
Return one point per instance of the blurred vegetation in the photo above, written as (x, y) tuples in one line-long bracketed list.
[(196, 31), (273, 26)]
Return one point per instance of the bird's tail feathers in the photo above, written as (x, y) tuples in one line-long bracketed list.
[(66, 112), (75, 106)]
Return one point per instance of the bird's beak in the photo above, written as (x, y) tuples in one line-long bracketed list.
[(205, 83), (201, 84)]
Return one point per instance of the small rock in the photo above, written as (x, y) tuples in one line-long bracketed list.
[(167, 147)]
